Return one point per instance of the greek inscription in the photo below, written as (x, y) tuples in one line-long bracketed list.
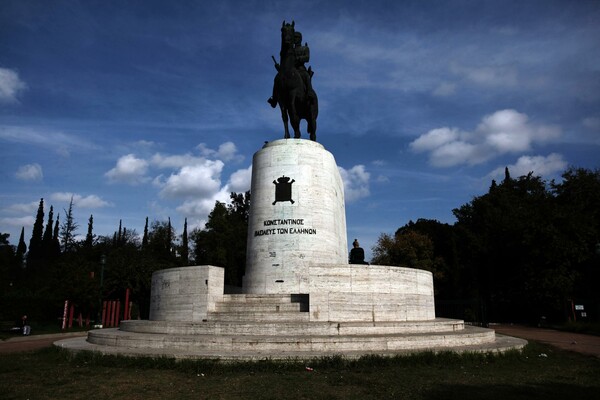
[(291, 226), (289, 221)]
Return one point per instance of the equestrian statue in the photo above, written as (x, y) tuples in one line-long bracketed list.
[(292, 87)]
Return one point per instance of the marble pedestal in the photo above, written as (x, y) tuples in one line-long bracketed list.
[(297, 216)]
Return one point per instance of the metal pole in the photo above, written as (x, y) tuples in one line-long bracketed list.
[(99, 319)]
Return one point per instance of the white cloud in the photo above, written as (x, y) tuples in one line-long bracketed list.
[(356, 182), (45, 138), (591, 123), (197, 210), (488, 76), (18, 222), (539, 165), (145, 143), (25, 208), (454, 153), (509, 131), (505, 131), (176, 161), (30, 172), (227, 152), (240, 180), (444, 89), (435, 138), (91, 201), (129, 169), (196, 180), (10, 86)]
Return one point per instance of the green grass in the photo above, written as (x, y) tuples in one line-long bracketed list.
[(53, 373)]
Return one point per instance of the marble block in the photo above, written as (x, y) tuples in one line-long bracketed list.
[(297, 216), (186, 293)]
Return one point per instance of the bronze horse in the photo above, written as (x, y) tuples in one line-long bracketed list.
[(291, 90)]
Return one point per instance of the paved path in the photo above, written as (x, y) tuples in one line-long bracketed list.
[(29, 343), (585, 344)]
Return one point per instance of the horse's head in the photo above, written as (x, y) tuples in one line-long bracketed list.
[(287, 33)]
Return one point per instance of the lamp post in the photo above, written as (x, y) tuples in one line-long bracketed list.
[(99, 318)]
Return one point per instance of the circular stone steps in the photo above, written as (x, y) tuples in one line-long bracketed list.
[(291, 328), (253, 329), (501, 343)]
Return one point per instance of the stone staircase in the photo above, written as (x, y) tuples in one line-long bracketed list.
[(264, 308), (279, 327)]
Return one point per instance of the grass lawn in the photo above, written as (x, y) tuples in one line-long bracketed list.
[(539, 372)]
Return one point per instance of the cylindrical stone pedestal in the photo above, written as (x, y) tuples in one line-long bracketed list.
[(297, 216)]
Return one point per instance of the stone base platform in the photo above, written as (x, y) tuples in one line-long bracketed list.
[(500, 344), (278, 327)]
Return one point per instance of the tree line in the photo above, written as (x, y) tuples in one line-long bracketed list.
[(524, 251), (37, 278)]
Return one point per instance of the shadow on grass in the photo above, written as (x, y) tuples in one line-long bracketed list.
[(538, 372), (337, 362), (546, 390)]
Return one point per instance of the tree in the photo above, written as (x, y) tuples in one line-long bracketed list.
[(55, 236), (222, 242), (120, 234), (578, 215), (21, 248), (7, 257), (89, 238), (184, 253), (35, 243), (511, 243), (145, 238), (405, 249), (169, 237), (160, 243), (444, 262), (47, 238), (50, 251), (68, 228)]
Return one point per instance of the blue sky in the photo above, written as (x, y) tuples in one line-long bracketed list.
[(154, 108)]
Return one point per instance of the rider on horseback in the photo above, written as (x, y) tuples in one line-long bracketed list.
[(302, 54)]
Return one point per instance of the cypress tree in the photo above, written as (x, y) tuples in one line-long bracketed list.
[(17, 271), (35, 243), (55, 239), (68, 228), (89, 238), (22, 247), (145, 238), (169, 237), (184, 244), (120, 235), (47, 239), (507, 177)]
